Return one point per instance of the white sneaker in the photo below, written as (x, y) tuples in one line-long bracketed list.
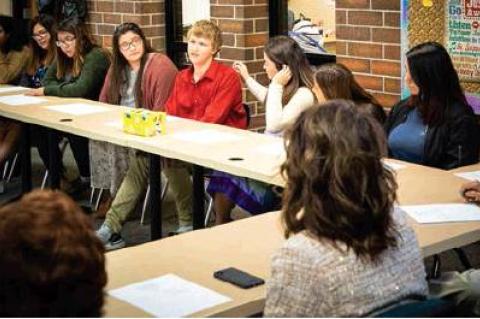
[(104, 233), (184, 229)]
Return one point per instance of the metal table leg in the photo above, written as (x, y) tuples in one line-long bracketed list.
[(198, 197), (54, 159), (155, 200), (26, 159)]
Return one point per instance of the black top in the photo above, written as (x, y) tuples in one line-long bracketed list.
[(453, 143)]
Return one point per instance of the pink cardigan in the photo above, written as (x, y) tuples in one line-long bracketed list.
[(157, 82)]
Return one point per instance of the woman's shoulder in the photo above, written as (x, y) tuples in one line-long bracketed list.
[(98, 53), (304, 248), (157, 59)]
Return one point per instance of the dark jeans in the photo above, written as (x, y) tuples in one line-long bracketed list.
[(78, 144)]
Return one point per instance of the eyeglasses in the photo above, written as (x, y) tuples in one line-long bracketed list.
[(40, 34), (124, 46), (65, 43)]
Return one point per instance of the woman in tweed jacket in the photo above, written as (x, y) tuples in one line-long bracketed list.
[(348, 251)]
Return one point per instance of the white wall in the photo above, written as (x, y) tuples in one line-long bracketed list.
[(316, 10)]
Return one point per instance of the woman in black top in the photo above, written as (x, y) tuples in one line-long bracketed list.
[(435, 126)]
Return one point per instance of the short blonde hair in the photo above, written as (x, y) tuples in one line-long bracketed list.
[(209, 30)]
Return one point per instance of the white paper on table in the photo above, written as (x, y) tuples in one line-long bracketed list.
[(115, 124), (77, 108), (276, 149), (21, 99), (207, 136), (471, 176), (443, 213), (8, 89), (169, 296), (394, 166)]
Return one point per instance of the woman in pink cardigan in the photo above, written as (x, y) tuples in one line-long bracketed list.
[(132, 56)]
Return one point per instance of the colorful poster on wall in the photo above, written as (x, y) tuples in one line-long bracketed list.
[(404, 44), (463, 37)]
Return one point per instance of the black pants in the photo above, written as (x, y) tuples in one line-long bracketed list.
[(78, 144)]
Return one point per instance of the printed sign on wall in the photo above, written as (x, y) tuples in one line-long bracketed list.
[(463, 37)]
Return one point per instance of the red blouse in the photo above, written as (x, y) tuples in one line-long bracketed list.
[(216, 98)]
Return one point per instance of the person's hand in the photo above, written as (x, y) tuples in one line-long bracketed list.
[(471, 191), (36, 92), (283, 76), (241, 69)]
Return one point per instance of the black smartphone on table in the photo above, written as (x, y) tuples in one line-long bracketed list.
[(238, 278)]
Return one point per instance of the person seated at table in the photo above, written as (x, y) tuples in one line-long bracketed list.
[(348, 251), (42, 55), (335, 81), (434, 126), (287, 95), (52, 264), (132, 55), (79, 71), (13, 57), (13, 52), (471, 191), (208, 92)]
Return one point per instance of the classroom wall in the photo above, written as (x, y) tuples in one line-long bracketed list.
[(368, 42), (367, 32)]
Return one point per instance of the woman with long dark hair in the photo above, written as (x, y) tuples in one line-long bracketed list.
[(138, 77), (435, 126), (79, 71), (345, 239), (288, 94)]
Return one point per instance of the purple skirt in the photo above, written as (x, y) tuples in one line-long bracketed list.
[(253, 196)]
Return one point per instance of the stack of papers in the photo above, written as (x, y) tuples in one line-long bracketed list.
[(443, 213), (169, 296), (21, 100)]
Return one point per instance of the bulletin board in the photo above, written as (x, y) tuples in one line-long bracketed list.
[(462, 37), (429, 23)]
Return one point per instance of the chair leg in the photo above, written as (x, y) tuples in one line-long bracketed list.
[(144, 206), (5, 170), (12, 168), (209, 212), (435, 270), (463, 258), (45, 179), (147, 195), (97, 202)]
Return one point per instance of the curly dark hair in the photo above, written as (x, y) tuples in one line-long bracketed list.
[(52, 264), (337, 189)]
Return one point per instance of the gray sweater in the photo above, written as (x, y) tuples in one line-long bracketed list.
[(313, 279)]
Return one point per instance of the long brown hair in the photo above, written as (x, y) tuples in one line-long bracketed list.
[(40, 56), (84, 44), (118, 74), (284, 50), (337, 189)]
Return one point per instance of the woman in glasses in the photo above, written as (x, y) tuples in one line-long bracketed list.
[(138, 77), (43, 50), (79, 71)]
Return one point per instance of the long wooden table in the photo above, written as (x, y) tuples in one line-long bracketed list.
[(238, 152), (248, 245)]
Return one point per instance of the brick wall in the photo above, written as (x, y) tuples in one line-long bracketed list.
[(368, 42), (149, 14), (245, 30)]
